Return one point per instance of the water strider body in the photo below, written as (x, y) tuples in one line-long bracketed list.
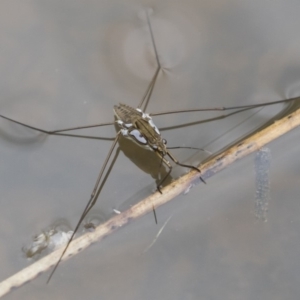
[(139, 127)]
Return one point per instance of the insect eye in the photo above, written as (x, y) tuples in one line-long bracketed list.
[(164, 141)]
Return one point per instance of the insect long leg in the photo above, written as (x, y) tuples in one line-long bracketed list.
[(242, 108), (25, 125), (153, 40), (148, 94), (249, 106), (90, 204), (81, 127), (54, 132), (97, 187), (149, 91), (202, 121)]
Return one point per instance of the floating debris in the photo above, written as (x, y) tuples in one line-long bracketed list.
[(46, 242)]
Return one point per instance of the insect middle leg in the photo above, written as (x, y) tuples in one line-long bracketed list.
[(167, 163)]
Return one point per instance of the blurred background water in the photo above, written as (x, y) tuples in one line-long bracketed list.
[(66, 63)]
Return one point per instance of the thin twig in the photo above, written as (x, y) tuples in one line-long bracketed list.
[(177, 187)]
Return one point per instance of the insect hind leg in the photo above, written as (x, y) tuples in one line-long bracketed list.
[(184, 165)]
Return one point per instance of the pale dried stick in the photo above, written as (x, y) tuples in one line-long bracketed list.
[(208, 169)]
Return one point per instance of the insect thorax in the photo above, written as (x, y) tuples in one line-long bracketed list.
[(139, 127)]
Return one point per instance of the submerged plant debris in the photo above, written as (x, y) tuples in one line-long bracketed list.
[(46, 242)]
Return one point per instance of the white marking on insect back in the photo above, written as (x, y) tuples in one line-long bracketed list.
[(122, 124), (144, 116), (149, 119), (153, 126), (124, 132), (138, 136)]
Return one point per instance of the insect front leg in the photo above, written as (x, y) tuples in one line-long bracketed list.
[(167, 163)]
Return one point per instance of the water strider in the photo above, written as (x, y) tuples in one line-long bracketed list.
[(136, 125)]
